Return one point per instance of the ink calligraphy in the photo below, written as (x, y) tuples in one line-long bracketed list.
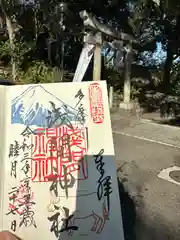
[(81, 113), (27, 132), (21, 198), (27, 216), (14, 169), (79, 95), (66, 226), (65, 184), (13, 225), (14, 149), (66, 222), (104, 182), (58, 117), (80, 108)]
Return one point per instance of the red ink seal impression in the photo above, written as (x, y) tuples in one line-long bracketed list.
[(96, 103), (58, 153)]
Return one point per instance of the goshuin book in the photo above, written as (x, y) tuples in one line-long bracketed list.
[(58, 175)]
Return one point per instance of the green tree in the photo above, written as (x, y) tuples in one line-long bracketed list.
[(9, 11), (161, 22)]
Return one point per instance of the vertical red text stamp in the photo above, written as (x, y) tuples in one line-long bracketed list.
[(96, 103), (58, 152)]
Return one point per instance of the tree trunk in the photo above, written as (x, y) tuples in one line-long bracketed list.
[(167, 69), (11, 36)]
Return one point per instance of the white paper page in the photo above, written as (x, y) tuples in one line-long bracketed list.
[(60, 177)]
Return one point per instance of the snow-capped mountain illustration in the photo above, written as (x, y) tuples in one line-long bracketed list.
[(36, 105)]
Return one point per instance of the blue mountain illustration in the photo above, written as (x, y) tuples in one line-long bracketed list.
[(36, 105)]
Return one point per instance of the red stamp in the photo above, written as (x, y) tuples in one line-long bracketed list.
[(58, 152), (96, 103), (20, 198)]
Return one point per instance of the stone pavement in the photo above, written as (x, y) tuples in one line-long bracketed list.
[(150, 205)]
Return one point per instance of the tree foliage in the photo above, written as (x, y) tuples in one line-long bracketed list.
[(31, 37)]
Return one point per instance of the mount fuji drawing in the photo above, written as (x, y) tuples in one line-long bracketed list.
[(35, 105)]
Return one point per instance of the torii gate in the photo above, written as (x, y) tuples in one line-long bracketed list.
[(92, 46)]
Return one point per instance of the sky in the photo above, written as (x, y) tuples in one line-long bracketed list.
[(151, 58), (155, 58), (160, 54)]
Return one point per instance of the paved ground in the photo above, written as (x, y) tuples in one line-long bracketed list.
[(152, 205)]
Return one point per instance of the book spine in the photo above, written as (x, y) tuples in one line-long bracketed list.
[(3, 137)]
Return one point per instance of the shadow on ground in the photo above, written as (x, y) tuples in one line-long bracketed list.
[(138, 225), (156, 229), (128, 213), (172, 122)]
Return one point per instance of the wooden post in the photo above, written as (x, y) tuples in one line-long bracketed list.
[(127, 86), (97, 58), (127, 104)]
